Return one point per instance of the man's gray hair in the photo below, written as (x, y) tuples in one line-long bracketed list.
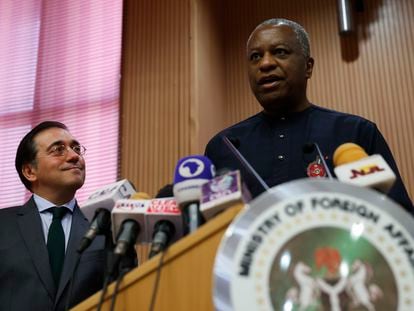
[(301, 33)]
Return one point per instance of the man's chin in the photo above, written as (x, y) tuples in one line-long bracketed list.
[(76, 184)]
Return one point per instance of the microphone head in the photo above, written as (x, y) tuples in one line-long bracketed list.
[(347, 153), (130, 232), (193, 167), (190, 174), (164, 209), (106, 197), (354, 166), (130, 209), (103, 220), (126, 238)]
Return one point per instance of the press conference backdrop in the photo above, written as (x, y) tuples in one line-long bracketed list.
[(184, 74)]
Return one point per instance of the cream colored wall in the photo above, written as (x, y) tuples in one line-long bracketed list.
[(156, 116), (209, 92), (184, 74)]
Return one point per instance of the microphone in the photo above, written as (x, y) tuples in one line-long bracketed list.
[(151, 216), (128, 228), (190, 174), (164, 224), (221, 192), (97, 209), (311, 147), (163, 231), (127, 236), (124, 242), (128, 209), (354, 166), (106, 197), (100, 225)]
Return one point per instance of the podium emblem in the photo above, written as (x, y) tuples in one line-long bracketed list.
[(317, 245)]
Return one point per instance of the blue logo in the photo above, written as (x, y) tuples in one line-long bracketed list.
[(191, 167)]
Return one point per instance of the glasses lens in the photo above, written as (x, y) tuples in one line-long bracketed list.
[(77, 149), (59, 150)]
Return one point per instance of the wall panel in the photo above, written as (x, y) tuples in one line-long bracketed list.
[(156, 113)]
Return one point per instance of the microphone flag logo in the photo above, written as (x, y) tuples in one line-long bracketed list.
[(191, 168), (315, 170)]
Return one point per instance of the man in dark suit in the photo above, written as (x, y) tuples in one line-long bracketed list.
[(37, 247)]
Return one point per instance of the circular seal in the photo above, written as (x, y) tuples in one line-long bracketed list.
[(315, 170), (191, 168), (317, 245)]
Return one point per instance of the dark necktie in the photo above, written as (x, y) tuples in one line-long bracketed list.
[(56, 242)]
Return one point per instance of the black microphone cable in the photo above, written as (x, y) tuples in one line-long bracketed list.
[(125, 266), (118, 282), (157, 280), (103, 294), (126, 239)]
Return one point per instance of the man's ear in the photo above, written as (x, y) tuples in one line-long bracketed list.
[(29, 171), (309, 67)]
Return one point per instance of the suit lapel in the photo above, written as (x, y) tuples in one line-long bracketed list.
[(30, 227), (79, 226)]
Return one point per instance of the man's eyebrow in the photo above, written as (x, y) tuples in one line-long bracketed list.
[(61, 142), (253, 48)]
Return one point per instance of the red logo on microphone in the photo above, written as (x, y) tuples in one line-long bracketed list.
[(366, 170), (168, 206), (315, 170)]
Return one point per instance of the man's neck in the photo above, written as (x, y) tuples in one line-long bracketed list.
[(287, 108), (56, 198)]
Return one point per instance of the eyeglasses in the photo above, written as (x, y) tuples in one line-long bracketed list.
[(61, 150)]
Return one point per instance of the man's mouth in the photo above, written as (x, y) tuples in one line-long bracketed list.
[(270, 81), (73, 168)]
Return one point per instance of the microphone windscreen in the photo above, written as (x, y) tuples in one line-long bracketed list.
[(193, 167), (190, 174), (353, 165), (347, 153)]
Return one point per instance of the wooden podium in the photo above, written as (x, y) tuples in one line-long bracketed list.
[(186, 279)]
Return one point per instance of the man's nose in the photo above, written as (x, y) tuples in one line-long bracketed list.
[(268, 62), (71, 154)]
